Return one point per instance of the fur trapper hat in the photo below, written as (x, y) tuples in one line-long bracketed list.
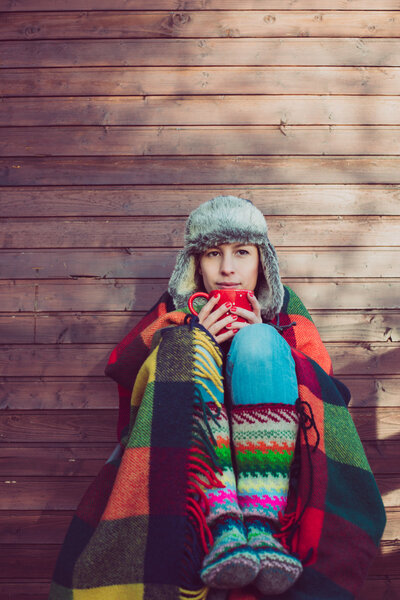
[(224, 220)]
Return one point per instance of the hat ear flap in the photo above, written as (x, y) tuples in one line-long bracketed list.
[(182, 283), (270, 287)]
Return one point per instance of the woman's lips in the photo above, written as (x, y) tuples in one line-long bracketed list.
[(227, 285)]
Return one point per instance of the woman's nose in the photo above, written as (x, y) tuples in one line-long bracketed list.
[(227, 265)]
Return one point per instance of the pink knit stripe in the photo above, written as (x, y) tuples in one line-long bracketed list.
[(222, 496), (274, 502)]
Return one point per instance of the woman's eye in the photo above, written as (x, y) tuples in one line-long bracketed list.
[(212, 253), (243, 252)]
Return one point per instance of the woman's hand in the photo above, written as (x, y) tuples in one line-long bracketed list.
[(251, 316), (216, 320), (226, 316)]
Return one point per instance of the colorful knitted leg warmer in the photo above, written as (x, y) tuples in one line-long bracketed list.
[(230, 562), (264, 433), (264, 438)]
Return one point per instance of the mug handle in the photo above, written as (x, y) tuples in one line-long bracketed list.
[(193, 297)]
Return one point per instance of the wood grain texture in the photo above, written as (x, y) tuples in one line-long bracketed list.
[(75, 360), (85, 461), (198, 24), (49, 526), (204, 140), (198, 170), (272, 199), (237, 109), (26, 589), (133, 5), (158, 263), (64, 493), (90, 392), (70, 328), (120, 295), (39, 560), (103, 232), (29, 589), (112, 81), (201, 52), (74, 460)]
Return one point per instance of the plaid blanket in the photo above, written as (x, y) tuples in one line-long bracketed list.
[(140, 533)]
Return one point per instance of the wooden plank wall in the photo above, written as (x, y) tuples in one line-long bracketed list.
[(117, 118)]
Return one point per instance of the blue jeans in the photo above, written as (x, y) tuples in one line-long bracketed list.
[(260, 368)]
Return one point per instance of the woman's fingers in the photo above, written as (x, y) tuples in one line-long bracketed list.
[(210, 318), (215, 320), (251, 316), (221, 323), (225, 336), (207, 308)]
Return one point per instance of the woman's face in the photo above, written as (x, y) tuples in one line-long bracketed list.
[(230, 266)]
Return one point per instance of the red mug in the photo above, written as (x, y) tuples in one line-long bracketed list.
[(236, 297)]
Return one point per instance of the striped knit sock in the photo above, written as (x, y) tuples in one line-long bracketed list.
[(231, 562), (278, 569), (264, 437)]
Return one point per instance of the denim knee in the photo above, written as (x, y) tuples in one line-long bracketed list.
[(260, 367), (257, 343)]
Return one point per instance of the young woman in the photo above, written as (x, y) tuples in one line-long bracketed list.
[(239, 472)]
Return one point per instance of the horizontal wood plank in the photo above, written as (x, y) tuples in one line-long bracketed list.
[(130, 81), (172, 170), (83, 393), (150, 264), (272, 199), (343, 326), (75, 360), (61, 426), (202, 110), (38, 561), (49, 526), (86, 461), (60, 493), (83, 461), (87, 295), (377, 587), (17, 329), (100, 425), (92, 393), (204, 52), (132, 5), (143, 233), (34, 527), (24, 590), (198, 24), (333, 327), (373, 391), (377, 423), (88, 392), (77, 328), (204, 140), (357, 326)]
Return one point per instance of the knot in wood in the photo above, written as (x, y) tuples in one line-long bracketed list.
[(31, 30), (269, 19), (180, 19)]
